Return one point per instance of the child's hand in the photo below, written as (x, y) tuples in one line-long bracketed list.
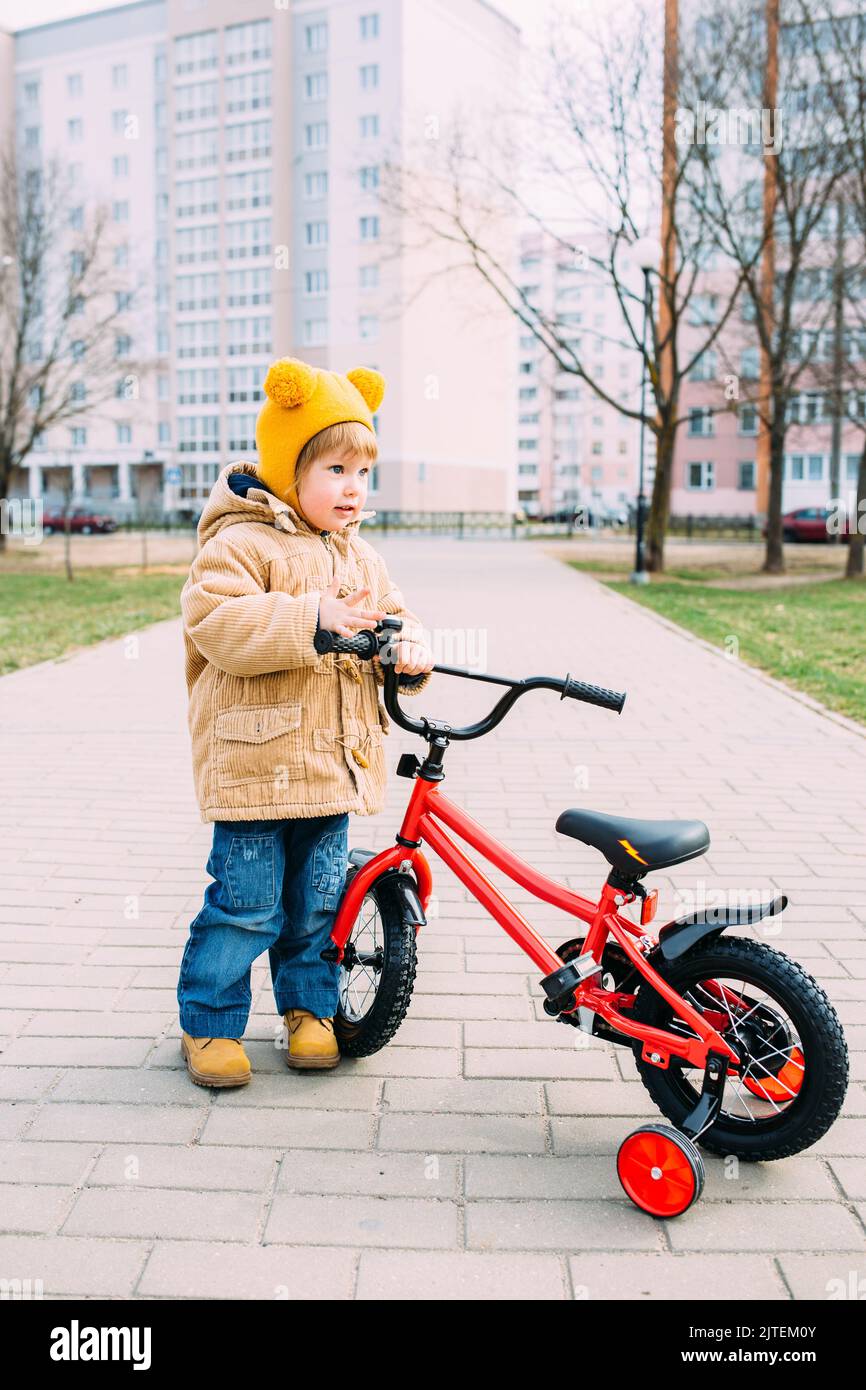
[(412, 657), (342, 615)]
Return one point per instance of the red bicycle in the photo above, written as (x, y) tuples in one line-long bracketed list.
[(737, 1045)]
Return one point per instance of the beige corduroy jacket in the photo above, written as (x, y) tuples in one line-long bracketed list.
[(277, 730)]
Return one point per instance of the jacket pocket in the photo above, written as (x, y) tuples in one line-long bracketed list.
[(259, 743)]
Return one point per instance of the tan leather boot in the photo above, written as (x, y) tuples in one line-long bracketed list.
[(312, 1041), (216, 1061)]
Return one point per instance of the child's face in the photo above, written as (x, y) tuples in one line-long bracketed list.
[(333, 490)]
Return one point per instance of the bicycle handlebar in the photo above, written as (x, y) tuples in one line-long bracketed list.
[(377, 642)]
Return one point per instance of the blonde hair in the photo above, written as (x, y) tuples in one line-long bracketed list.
[(348, 439)]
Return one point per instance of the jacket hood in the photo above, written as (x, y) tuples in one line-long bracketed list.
[(233, 499)]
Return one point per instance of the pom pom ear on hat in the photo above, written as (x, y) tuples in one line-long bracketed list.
[(371, 385), (290, 382)]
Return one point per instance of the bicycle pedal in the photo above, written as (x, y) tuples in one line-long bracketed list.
[(561, 984)]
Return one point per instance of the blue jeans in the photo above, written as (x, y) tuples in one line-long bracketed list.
[(277, 885)]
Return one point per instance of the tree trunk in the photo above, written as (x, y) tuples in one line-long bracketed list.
[(774, 559), (660, 506), (5, 479), (857, 524)]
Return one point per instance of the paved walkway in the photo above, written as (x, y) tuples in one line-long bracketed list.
[(474, 1156)]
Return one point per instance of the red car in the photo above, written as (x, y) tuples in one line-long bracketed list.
[(813, 524), (86, 523)]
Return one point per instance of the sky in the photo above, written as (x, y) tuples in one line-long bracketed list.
[(529, 14)]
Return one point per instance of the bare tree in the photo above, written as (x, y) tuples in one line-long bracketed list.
[(592, 139), (792, 314), (837, 42), (61, 304)]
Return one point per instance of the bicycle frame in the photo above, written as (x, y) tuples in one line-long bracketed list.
[(427, 813)]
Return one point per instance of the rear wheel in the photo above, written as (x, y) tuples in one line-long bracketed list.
[(793, 1058), (375, 987)]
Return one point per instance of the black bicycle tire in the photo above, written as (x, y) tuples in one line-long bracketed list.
[(817, 1107), (397, 980)]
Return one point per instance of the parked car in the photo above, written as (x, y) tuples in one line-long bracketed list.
[(84, 522), (813, 524)]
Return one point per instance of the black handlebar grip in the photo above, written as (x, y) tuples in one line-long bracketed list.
[(593, 694), (364, 644)]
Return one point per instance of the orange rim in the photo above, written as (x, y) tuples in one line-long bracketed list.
[(786, 1084), (657, 1172)]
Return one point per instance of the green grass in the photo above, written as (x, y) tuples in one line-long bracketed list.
[(625, 567), (812, 636), (44, 616)]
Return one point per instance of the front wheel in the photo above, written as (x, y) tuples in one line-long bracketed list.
[(375, 987), (793, 1071)]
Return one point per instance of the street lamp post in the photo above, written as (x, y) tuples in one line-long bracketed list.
[(646, 253)]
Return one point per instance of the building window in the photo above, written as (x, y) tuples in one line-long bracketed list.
[(369, 76), (746, 476), (316, 135), (316, 184), (369, 24), (249, 42), (704, 368), (369, 175), (119, 76), (701, 420), (32, 136), (315, 86), (368, 326), (315, 38), (748, 420), (120, 210), (31, 93), (369, 126), (316, 233), (122, 345), (74, 84), (368, 277), (852, 467), (78, 392), (816, 468), (120, 166), (164, 432), (75, 129), (315, 332), (315, 282), (124, 434), (699, 476), (369, 228), (78, 437)]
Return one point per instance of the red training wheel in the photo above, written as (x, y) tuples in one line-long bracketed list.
[(661, 1170)]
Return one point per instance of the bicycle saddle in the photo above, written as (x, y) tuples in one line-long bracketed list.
[(635, 846)]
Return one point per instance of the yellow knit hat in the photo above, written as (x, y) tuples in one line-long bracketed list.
[(302, 400)]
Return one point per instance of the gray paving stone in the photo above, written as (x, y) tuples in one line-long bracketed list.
[(662, 1277), (356, 1220), (132, 1211), (208, 1270), (462, 1275), (74, 1266)]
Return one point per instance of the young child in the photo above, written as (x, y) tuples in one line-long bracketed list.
[(285, 742)]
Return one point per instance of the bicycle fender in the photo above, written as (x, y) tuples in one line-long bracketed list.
[(678, 936)]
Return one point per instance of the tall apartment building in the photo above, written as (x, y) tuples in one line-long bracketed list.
[(238, 146), (574, 449)]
